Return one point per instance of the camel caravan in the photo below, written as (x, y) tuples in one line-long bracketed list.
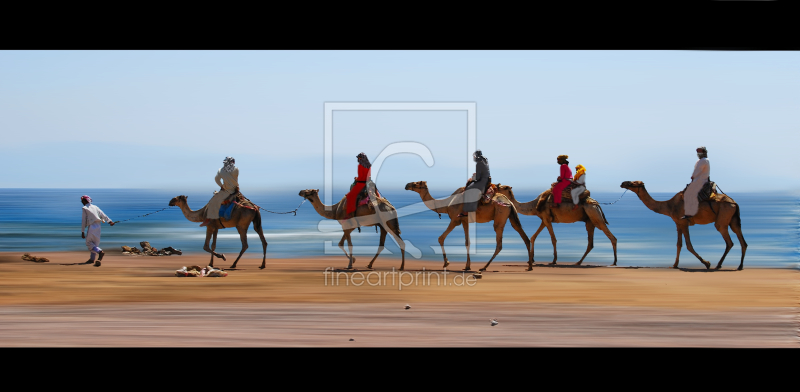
[(479, 201)]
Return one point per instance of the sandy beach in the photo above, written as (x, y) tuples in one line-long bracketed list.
[(135, 301)]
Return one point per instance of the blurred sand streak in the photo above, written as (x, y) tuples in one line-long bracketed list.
[(137, 301)]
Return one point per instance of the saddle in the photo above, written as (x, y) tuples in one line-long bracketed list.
[(707, 193), (488, 192), (235, 200), (363, 198), (566, 196)]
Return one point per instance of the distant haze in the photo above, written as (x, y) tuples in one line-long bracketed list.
[(166, 119)]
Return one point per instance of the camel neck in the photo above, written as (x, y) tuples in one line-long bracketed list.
[(528, 208), (192, 216), (660, 207), (322, 210), (439, 206)]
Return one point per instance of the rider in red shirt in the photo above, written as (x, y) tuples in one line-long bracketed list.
[(564, 180), (361, 181)]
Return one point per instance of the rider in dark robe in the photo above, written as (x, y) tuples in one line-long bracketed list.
[(479, 181)]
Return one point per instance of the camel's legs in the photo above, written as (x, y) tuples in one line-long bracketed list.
[(401, 244), (243, 238), (465, 224), (553, 239), (737, 228), (211, 233), (590, 245), (533, 238), (680, 244), (723, 229), (350, 257), (598, 222), (499, 225), (518, 227), (264, 245), (380, 246), (691, 248), (450, 227)]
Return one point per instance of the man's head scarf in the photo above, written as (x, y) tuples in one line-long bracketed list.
[(579, 171), (702, 152), (87, 198), (363, 160), (229, 164), (478, 155), (564, 158)]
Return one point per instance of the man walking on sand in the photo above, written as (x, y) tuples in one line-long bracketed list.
[(92, 218)]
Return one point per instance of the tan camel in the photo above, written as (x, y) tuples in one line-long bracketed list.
[(240, 218), (591, 214), (498, 210), (365, 215), (724, 213)]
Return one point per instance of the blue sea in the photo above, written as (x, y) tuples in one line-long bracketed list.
[(36, 220)]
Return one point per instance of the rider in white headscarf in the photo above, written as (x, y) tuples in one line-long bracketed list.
[(702, 170), (228, 180)]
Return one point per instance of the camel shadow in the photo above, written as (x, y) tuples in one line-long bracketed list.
[(705, 270), (567, 266)]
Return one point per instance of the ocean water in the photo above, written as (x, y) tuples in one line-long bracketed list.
[(36, 220)]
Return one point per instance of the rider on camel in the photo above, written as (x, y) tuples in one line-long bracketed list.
[(364, 173), (564, 180)]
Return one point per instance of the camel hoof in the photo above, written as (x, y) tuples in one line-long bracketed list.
[(223, 257), (707, 264), (262, 267)]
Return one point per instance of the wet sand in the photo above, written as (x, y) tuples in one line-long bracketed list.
[(135, 301)]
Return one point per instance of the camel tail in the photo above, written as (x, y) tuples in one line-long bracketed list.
[(602, 214), (395, 224), (737, 220), (257, 221), (515, 217)]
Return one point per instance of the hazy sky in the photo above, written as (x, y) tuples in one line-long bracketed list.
[(166, 119)]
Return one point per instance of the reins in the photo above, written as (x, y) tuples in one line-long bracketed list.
[(149, 213), (623, 194), (273, 212)]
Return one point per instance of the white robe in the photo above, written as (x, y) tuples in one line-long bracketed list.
[(575, 192), (92, 218), (231, 181), (702, 170)]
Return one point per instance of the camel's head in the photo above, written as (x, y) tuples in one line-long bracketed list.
[(632, 184), (177, 199), (504, 190), (308, 194), (417, 186)]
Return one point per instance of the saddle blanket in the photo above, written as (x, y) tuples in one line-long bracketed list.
[(225, 210)]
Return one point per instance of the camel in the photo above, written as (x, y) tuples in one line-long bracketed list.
[(240, 218), (379, 212), (498, 210), (724, 212), (591, 214)]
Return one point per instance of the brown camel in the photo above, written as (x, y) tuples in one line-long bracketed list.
[(723, 212), (379, 212), (591, 214), (240, 218), (498, 210)]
